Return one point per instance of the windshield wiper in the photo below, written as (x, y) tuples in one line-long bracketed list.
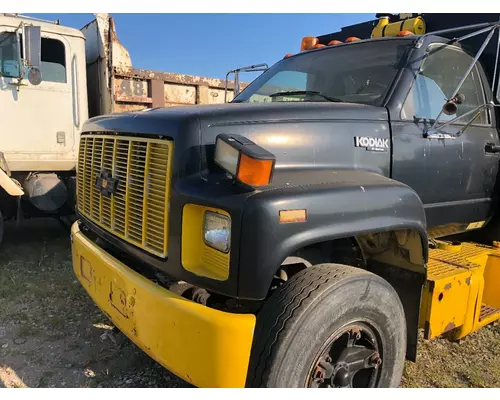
[(306, 92)]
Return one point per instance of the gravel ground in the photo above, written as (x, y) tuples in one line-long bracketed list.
[(51, 334)]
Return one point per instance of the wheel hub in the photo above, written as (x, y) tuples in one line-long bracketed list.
[(349, 359), (342, 378)]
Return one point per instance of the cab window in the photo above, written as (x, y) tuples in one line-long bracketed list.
[(53, 63), (53, 58), (9, 55), (436, 81)]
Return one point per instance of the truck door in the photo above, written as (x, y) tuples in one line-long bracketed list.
[(455, 177), (36, 120)]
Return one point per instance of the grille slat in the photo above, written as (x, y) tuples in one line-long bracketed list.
[(137, 211)]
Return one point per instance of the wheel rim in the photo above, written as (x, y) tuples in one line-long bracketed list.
[(350, 358)]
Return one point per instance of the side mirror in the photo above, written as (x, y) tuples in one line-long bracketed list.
[(32, 45)]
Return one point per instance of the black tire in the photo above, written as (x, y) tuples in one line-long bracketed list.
[(297, 321)]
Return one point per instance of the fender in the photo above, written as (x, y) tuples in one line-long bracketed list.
[(351, 204), (9, 185)]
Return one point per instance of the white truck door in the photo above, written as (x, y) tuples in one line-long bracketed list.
[(37, 121)]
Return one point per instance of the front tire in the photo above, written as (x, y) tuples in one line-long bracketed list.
[(330, 326)]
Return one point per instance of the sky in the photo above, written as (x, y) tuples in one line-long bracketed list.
[(212, 44)]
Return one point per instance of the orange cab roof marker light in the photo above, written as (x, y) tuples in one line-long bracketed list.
[(405, 33), (318, 46), (288, 55), (352, 39), (308, 42), (334, 42)]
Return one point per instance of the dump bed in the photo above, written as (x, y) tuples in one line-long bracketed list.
[(113, 84)]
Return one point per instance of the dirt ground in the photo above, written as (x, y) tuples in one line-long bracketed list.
[(51, 334)]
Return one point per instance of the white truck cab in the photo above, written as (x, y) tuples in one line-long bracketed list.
[(40, 123), (43, 103)]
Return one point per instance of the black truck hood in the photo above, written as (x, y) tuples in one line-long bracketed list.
[(154, 121), (301, 134)]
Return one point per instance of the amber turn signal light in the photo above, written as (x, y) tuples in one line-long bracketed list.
[(244, 160), (255, 172), (292, 216)]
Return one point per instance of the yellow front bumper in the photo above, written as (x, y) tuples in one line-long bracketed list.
[(206, 347)]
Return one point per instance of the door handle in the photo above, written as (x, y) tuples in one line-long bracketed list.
[(492, 148)]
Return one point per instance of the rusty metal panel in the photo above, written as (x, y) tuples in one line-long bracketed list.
[(127, 107), (216, 96), (157, 93), (169, 77), (180, 94), (130, 90), (176, 105), (138, 89)]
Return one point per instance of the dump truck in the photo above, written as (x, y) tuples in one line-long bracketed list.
[(344, 202), (52, 79)]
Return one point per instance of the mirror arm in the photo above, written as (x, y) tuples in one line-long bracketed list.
[(225, 87), (488, 25), (495, 70), (476, 33), (472, 64), (433, 133), (251, 68), (462, 130)]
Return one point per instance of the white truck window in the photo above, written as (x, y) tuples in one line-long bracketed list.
[(53, 58), (53, 62), (9, 53)]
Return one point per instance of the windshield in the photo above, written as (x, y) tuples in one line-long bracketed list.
[(358, 73), (9, 55)]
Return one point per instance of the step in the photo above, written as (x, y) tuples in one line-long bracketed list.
[(454, 289)]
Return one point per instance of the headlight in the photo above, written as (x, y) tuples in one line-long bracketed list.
[(244, 160), (217, 231), (227, 157)]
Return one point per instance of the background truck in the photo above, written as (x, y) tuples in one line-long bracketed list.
[(344, 200), (52, 78)]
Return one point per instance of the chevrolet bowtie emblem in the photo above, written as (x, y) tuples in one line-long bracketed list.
[(106, 184)]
